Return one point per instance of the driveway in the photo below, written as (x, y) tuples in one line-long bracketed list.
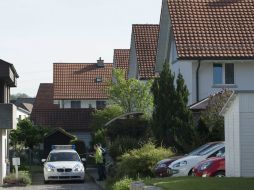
[(38, 184)]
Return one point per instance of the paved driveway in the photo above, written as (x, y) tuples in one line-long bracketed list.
[(38, 184)]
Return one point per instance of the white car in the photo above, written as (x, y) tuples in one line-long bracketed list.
[(63, 164), (184, 166)]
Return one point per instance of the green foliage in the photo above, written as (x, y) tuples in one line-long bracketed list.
[(101, 117), (136, 128), (99, 137), (80, 146), (211, 124), (132, 94), (122, 145), (140, 162), (27, 134), (123, 184), (19, 95), (24, 178), (172, 120)]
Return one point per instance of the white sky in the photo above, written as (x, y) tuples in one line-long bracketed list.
[(36, 33)]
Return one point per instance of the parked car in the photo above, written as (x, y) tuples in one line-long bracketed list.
[(161, 168), (63, 163), (212, 167), (184, 166)]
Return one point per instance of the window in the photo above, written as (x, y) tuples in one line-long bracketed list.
[(100, 104), (98, 79), (225, 76), (217, 73), (75, 104), (229, 73)]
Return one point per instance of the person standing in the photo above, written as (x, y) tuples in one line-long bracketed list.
[(99, 161)]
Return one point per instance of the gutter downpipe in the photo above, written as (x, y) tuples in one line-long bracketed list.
[(197, 81)]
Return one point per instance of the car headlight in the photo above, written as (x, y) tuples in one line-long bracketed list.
[(161, 166), (205, 165), (180, 164), (50, 168), (78, 168)]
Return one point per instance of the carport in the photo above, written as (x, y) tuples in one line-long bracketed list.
[(239, 134)]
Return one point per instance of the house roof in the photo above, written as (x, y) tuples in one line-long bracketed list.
[(77, 81), (25, 103), (146, 37), (46, 113), (121, 60), (213, 29)]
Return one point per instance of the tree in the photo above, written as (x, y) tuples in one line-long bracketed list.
[(132, 94), (210, 118), (164, 94), (27, 134), (172, 119), (19, 95), (100, 118), (185, 136)]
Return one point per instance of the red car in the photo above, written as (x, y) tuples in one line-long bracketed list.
[(212, 167)]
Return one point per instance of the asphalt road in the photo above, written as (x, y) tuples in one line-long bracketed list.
[(38, 184)]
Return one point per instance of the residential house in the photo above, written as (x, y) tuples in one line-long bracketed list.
[(143, 48), (8, 79), (81, 85), (121, 60), (24, 107), (210, 42), (77, 90)]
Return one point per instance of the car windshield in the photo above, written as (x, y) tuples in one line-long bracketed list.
[(210, 150), (202, 148), (63, 156)]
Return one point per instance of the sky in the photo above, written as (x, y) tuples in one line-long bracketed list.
[(34, 34)]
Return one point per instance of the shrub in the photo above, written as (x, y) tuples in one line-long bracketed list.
[(123, 184), (24, 178), (80, 146), (122, 145), (135, 128), (99, 137), (140, 162)]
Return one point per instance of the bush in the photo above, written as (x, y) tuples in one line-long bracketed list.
[(24, 178), (123, 184), (135, 128), (140, 162), (80, 146), (122, 145), (99, 137)]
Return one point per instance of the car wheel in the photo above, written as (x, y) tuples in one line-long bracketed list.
[(190, 173), (46, 182), (220, 174)]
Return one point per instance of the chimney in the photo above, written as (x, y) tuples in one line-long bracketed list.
[(100, 62)]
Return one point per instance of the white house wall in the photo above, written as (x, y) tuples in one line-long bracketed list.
[(3, 155), (243, 75), (247, 134), (185, 67), (164, 36), (232, 140), (133, 62)]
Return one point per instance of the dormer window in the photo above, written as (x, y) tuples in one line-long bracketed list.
[(98, 79)]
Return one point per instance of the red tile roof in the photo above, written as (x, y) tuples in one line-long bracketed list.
[(121, 60), (146, 37), (77, 81), (45, 113), (213, 29)]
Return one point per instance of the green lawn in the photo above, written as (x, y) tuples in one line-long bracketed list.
[(195, 183)]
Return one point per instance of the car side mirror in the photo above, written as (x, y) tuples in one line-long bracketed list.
[(83, 159), (43, 160)]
